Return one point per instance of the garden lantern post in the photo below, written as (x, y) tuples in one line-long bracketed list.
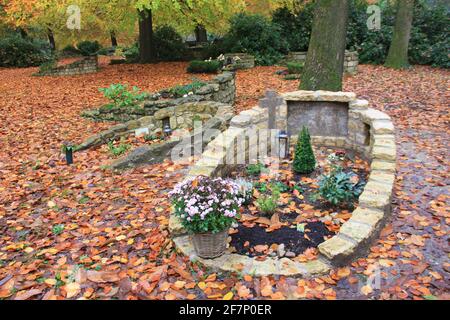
[(283, 144)]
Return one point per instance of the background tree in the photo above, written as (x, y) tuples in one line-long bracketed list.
[(398, 51), (111, 18), (43, 15), (325, 59), (188, 14), (146, 46)]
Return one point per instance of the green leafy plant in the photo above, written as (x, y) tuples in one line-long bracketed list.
[(169, 45), (59, 281), (198, 66), (256, 35), (88, 48), (337, 188), (187, 89), (295, 27), (121, 97), (150, 137), (298, 188), (47, 66), (281, 186), (295, 67), (131, 53), (57, 229), (119, 149), (292, 77), (205, 204), (70, 51), (18, 52), (67, 147), (255, 169), (245, 190), (440, 55), (429, 42), (262, 186), (304, 160), (84, 200), (268, 203)]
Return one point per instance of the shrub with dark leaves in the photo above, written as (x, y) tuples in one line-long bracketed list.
[(16, 51)]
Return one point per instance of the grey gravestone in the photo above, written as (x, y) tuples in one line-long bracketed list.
[(321, 118), (272, 101)]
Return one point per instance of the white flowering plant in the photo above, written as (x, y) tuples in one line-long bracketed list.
[(245, 190), (336, 156), (206, 204)]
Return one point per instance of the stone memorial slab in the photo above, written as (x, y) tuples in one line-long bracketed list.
[(322, 118)]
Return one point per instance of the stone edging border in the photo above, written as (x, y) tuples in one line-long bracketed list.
[(219, 112), (355, 235), (85, 65), (222, 88)]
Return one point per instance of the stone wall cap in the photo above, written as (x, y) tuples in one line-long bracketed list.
[(320, 95)]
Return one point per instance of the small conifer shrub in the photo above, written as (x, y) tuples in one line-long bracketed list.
[(304, 160)]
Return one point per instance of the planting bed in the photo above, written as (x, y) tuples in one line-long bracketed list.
[(337, 121), (300, 222)]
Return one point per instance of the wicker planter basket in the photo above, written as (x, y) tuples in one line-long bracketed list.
[(209, 245)]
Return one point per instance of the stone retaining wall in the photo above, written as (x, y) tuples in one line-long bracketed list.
[(351, 60), (370, 132), (83, 66), (221, 89), (179, 117), (244, 61)]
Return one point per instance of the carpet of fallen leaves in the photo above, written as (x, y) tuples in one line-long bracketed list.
[(80, 232)]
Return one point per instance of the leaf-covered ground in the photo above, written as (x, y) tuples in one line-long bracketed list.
[(82, 232)]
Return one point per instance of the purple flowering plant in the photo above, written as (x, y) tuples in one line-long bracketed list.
[(206, 204)]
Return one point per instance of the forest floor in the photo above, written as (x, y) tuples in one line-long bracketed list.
[(82, 232)]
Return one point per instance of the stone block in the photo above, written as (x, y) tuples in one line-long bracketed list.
[(241, 121), (382, 127), (175, 226), (371, 217), (335, 96), (382, 177), (358, 104), (383, 166), (376, 196), (202, 171), (384, 153), (337, 249), (300, 95), (356, 230), (316, 267), (384, 140), (370, 115)]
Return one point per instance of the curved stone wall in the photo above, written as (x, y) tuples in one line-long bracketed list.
[(220, 89), (369, 132), (179, 117), (351, 60), (83, 66)]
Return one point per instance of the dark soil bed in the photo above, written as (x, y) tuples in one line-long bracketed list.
[(294, 241), (298, 209)]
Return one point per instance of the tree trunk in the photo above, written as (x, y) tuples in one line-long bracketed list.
[(51, 39), (398, 51), (146, 50), (113, 39), (324, 64), (200, 34), (23, 33)]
